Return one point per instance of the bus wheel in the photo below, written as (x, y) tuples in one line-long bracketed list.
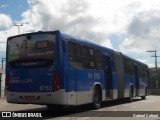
[(144, 97), (97, 98), (55, 107), (130, 99)]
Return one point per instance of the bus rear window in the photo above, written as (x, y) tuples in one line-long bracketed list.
[(31, 50)]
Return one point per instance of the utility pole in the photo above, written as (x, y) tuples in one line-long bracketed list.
[(154, 52), (18, 25)]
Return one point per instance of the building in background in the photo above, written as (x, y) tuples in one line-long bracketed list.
[(154, 89)]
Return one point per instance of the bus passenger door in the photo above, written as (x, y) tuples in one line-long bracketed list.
[(136, 79), (108, 74), (120, 74)]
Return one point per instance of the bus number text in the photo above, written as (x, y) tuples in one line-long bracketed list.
[(94, 76), (45, 88)]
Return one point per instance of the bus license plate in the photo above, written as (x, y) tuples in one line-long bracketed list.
[(30, 98)]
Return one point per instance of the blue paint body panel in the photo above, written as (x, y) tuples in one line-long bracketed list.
[(33, 79)]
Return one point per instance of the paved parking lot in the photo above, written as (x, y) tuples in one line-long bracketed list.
[(113, 110)]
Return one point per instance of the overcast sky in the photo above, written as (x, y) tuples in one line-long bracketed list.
[(129, 26)]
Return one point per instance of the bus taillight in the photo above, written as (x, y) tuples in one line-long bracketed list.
[(57, 82), (7, 83)]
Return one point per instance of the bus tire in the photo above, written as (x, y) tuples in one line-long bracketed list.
[(97, 98), (144, 97), (130, 99), (54, 107)]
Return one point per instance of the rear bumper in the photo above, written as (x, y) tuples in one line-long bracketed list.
[(58, 97)]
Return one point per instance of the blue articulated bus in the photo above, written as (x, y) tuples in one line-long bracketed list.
[(55, 69)]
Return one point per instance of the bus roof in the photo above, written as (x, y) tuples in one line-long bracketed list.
[(80, 40), (85, 41), (91, 43)]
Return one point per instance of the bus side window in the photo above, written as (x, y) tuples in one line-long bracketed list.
[(88, 56), (98, 60), (142, 71), (113, 64), (128, 67), (74, 52)]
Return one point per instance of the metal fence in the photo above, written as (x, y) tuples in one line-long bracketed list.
[(155, 89)]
